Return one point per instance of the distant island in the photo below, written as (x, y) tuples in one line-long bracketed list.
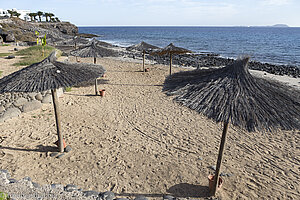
[(280, 25), (275, 26)]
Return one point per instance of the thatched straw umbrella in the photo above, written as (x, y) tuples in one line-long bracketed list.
[(50, 74), (231, 94), (78, 40), (170, 50), (95, 51), (145, 48)]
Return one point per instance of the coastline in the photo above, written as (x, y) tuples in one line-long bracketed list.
[(226, 41)]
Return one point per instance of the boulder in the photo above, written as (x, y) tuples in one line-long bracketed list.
[(90, 193), (32, 95), (10, 57), (39, 97), (20, 102), (10, 113), (7, 105), (2, 109), (57, 187), (3, 178), (140, 198), (47, 99), (32, 105), (70, 188), (108, 195), (10, 37)]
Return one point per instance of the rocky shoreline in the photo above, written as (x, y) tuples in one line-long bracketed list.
[(26, 189), (61, 35), (213, 60)]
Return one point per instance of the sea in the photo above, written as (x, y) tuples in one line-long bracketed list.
[(276, 45)]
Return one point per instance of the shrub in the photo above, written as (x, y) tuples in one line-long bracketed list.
[(33, 55)]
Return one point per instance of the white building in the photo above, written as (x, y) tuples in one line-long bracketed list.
[(24, 13), (3, 13)]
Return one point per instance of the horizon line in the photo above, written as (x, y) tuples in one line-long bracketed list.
[(272, 26)]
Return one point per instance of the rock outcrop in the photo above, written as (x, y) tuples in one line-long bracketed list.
[(14, 29), (63, 27)]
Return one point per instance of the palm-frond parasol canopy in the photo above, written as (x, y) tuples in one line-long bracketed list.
[(170, 50), (145, 48), (232, 94), (78, 40), (50, 74), (95, 51)]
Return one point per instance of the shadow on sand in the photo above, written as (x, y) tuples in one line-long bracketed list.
[(39, 148), (182, 190)]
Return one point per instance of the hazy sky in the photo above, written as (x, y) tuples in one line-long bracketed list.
[(167, 12)]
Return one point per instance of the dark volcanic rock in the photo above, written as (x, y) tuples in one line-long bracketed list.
[(87, 35), (63, 27), (107, 196), (10, 37), (10, 57), (90, 193)]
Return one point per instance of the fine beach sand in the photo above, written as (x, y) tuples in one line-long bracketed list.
[(137, 141)]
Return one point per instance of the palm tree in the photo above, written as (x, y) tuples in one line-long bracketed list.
[(31, 15), (50, 16), (46, 15), (11, 13), (56, 19), (40, 13), (34, 16), (17, 14)]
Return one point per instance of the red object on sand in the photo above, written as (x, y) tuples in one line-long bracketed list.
[(211, 182), (102, 92), (64, 143)]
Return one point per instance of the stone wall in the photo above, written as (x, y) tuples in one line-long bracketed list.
[(13, 104)]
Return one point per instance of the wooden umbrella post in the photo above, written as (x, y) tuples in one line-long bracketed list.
[(96, 83), (221, 149), (170, 63), (143, 61), (57, 119), (96, 87)]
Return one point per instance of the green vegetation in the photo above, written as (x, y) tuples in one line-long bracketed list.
[(49, 17), (5, 45), (4, 196), (40, 14), (68, 89), (1, 73), (13, 13), (33, 55), (4, 54)]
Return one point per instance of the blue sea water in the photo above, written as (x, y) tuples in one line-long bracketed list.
[(264, 44)]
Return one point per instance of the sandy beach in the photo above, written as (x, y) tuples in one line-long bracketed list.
[(136, 141)]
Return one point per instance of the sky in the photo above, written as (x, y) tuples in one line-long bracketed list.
[(166, 12)]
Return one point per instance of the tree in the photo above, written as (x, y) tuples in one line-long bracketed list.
[(46, 15), (17, 14), (11, 13), (50, 16), (40, 13), (31, 15), (56, 19), (34, 16)]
